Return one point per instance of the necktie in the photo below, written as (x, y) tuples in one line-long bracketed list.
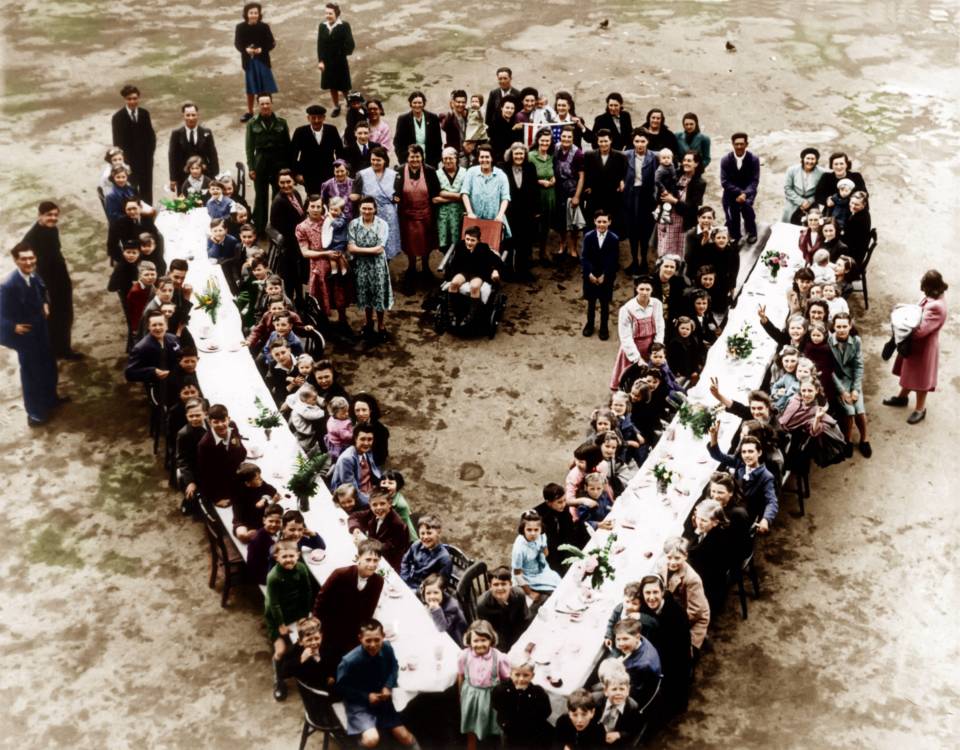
[(193, 138), (133, 116), (609, 719), (363, 151)]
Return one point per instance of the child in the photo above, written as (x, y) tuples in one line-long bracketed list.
[(640, 659), (426, 556), (836, 303), (279, 377), (140, 293), (306, 416), (476, 129), (817, 351), (522, 709), (334, 233), (294, 529), (382, 523), (823, 272), (529, 559), (559, 525), (276, 305), (123, 276), (443, 608), (287, 600), (628, 609), (339, 434), (224, 250), (480, 667), (658, 359), (304, 660), (149, 251), (304, 373), (665, 181), (633, 448), (250, 501), (543, 112), (345, 496), (617, 712), (719, 294), (585, 457), (196, 182), (840, 210), (578, 727), (393, 482), (684, 352), (599, 258), (595, 487), (187, 440), (366, 678), (705, 328), (602, 420), (282, 331), (786, 384), (258, 551), (218, 206)]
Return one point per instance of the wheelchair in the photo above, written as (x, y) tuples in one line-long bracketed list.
[(457, 314)]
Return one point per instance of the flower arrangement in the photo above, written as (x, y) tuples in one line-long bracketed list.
[(596, 564), (209, 299), (740, 345), (774, 260), (183, 203), (664, 476), (696, 417), (266, 418), (303, 483)]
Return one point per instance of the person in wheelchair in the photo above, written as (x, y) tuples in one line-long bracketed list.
[(472, 271)]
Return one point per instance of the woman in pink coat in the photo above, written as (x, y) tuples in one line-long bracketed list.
[(918, 370)]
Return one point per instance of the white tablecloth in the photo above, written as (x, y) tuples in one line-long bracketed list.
[(567, 647), (428, 658)]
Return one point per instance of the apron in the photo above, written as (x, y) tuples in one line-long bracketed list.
[(644, 330), (415, 215)]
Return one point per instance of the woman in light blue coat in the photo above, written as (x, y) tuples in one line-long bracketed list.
[(801, 184)]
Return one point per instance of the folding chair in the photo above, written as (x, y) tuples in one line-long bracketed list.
[(472, 585), (241, 181), (103, 201), (862, 279), (321, 714), (223, 553)]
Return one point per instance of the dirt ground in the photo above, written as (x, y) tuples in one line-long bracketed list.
[(109, 635)]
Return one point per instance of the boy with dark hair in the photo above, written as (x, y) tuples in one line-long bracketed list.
[(559, 525), (505, 607), (427, 555), (578, 728), (253, 496)]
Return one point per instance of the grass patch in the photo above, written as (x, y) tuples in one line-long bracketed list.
[(48, 548)]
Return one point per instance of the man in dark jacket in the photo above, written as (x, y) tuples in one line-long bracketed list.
[(268, 151), (219, 455), (191, 139), (133, 132), (739, 178), (155, 358), (315, 147), (504, 89), (599, 259), (604, 172), (286, 211), (666, 626)]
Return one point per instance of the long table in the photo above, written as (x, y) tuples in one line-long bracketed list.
[(567, 634), (228, 375)]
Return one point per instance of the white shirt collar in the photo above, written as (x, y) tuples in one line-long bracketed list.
[(336, 23), (25, 276), (219, 440)]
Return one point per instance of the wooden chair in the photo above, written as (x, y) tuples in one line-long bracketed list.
[(461, 563), (224, 554), (471, 586), (275, 250), (241, 181), (859, 285), (321, 714), (737, 574)]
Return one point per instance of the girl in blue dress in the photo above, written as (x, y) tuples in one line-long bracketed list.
[(529, 559)]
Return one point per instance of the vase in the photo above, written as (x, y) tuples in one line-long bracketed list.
[(266, 432), (662, 485), (303, 503)]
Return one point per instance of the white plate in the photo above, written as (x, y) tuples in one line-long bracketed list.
[(318, 556), (208, 347)]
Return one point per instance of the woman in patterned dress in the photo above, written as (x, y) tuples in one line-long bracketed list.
[(339, 186), (368, 239), (670, 237), (378, 181), (450, 205)]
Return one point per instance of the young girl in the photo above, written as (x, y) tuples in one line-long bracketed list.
[(585, 457), (197, 182), (684, 352), (529, 559), (704, 324), (658, 360), (339, 427), (443, 608), (596, 490), (602, 420), (480, 667), (822, 268), (334, 234), (783, 388), (817, 350), (835, 303), (633, 448), (392, 481), (806, 369), (306, 415), (819, 437)]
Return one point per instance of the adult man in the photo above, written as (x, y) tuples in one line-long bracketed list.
[(219, 455), (420, 127), (23, 328), (617, 120), (190, 139), (455, 121), (133, 132), (129, 227), (286, 212), (639, 200), (44, 238), (504, 89), (181, 290), (848, 379), (155, 358), (268, 151), (357, 154), (739, 177), (315, 147), (757, 485), (505, 607), (604, 173)]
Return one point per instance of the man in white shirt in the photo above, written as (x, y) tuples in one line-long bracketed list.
[(191, 139)]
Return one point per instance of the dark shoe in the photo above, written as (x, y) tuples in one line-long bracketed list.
[(31, 422), (632, 270), (848, 450), (896, 401), (74, 355), (604, 333), (752, 239), (247, 117), (588, 330), (917, 416), (382, 336), (368, 335), (865, 450), (335, 112)]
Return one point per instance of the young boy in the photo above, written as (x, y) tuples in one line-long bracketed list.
[(188, 438), (599, 259), (595, 488), (304, 660), (578, 728), (559, 525), (381, 522), (287, 600), (253, 496), (840, 208), (640, 659), (140, 293), (366, 678), (148, 251), (163, 293), (218, 206), (252, 279), (224, 250), (617, 712), (258, 551), (427, 555), (282, 331), (522, 709), (658, 359), (294, 529)]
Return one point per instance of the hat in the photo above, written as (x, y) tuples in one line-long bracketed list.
[(845, 183), (354, 96), (316, 109)]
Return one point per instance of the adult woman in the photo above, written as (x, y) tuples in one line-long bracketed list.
[(379, 129), (542, 160), (524, 208), (689, 196), (332, 291), (367, 241), (639, 324), (414, 191), (379, 181), (450, 205), (528, 105), (856, 232), (840, 166), (800, 186), (501, 132), (691, 139), (485, 190), (254, 40), (831, 239), (811, 238), (568, 170), (334, 45), (365, 410), (567, 114), (339, 186), (685, 584), (816, 432), (918, 369), (710, 553), (669, 286), (658, 134)]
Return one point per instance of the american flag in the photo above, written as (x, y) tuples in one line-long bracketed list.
[(531, 129)]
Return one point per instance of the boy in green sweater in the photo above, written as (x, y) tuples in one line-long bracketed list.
[(288, 599)]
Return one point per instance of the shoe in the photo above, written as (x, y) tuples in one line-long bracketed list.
[(752, 239), (63, 399), (896, 401), (632, 270), (31, 422), (382, 336), (917, 416), (848, 450), (367, 333), (74, 355), (604, 333), (865, 450), (247, 117), (335, 112), (588, 330)]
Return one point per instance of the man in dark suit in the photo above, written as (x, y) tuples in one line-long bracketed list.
[(155, 359), (286, 211), (599, 259), (315, 147), (191, 139), (133, 132), (666, 626), (455, 121), (739, 177), (421, 127), (23, 328), (639, 201), (357, 154), (504, 89), (604, 171), (268, 151), (617, 121)]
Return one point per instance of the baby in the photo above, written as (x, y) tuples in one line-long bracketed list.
[(665, 181), (840, 208), (334, 236), (823, 272), (305, 416), (837, 304), (476, 127), (339, 427)]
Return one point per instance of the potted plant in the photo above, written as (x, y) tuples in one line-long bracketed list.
[(303, 483), (266, 418), (774, 260), (209, 299), (664, 476), (696, 417), (740, 345), (596, 564)]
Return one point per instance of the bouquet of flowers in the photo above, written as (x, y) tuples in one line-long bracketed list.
[(266, 418), (303, 483), (697, 417), (596, 564), (740, 345), (664, 476), (182, 203), (774, 260), (209, 299)]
